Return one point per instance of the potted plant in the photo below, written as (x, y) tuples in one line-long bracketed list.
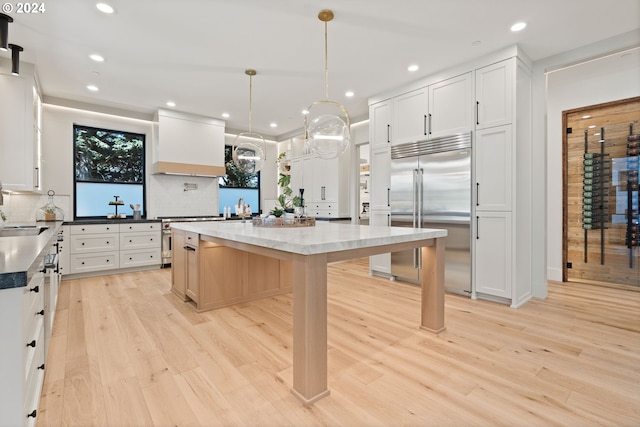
[(50, 213), (286, 200)]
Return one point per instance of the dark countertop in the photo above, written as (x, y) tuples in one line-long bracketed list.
[(109, 221), (21, 256)]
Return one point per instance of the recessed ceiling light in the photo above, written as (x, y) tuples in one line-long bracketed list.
[(305, 112), (171, 104), (412, 68), (518, 26), (92, 88), (274, 125), (105, 8), (348, 94), (96, 57), (225, 115)]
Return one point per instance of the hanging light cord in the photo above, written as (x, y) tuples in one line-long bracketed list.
[(326, 63), (250, 100)]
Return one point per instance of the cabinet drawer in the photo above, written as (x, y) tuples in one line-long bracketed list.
[(139, 258), (143, 240), (322, 212), (94, 262), (93, 228), (94, 243), (33, 384), (32, 301), (192, 238), (33, 350), (138, 227)]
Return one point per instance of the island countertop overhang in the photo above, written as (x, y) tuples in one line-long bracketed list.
[(321, 238)]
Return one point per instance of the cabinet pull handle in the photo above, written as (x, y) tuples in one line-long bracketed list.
[(32, 344), (477, 194), (388, 197), (424, 125), (477, 227), (35, 289), (477, 112), (41, 313), (388, 133), (429, 123), (41, 367), (37, 173), (32, 414)]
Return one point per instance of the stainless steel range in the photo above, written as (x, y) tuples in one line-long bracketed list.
[(166, 232)]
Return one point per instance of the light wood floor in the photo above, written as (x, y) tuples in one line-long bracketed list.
[(126, 352)]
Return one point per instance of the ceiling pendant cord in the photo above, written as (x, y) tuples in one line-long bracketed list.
[(326, 61)]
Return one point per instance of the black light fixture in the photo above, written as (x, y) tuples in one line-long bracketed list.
[(15, 58), (4, 31)]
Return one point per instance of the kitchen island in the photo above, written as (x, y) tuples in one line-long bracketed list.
[(309, 250)]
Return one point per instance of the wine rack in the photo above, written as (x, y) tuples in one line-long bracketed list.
[(631, 214), (595, 186)]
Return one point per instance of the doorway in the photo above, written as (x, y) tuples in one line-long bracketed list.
[(601, 147)]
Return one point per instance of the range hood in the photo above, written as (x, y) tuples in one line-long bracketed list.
[(187, 144)]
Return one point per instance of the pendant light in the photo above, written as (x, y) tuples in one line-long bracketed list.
[(249, 152), (15, 58), (4, 31), (326, 125)]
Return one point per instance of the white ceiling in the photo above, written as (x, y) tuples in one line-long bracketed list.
[(194, 52)]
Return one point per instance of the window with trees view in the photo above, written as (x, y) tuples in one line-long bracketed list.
[(237, 184), (109, 165)]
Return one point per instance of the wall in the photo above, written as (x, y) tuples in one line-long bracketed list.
[(165, 193), (590, 75)]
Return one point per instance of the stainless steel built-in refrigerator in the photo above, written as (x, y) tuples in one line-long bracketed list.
[(431, 188)]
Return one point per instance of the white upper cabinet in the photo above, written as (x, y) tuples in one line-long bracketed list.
[(187, 144), (494, 169), (20, 111), (494, 94), (450, 106), (380, 183), (380, 123), (410, 116)]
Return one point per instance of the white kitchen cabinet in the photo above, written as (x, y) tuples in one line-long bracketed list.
[(63, 250), (380, 123), (20, 130), (380, 263), (410, 116), (326, 194), (493, 254), (97, 248), (188, 144), (380, 177), (451, 106), (22, 359), (493, 169), (494, 94)]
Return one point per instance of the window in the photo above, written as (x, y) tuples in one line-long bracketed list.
[(107, 164), (236, 185)]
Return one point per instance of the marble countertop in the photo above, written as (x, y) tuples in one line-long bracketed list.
[(20, 256), (324, 237)]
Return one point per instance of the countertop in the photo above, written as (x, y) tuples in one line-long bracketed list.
[(20, 256), (324, 237), (109, 221)]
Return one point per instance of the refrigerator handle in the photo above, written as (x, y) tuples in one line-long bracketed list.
[(414, 196), (420, 197)]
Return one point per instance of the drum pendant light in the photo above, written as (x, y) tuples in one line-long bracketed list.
[(326, 125), (249, 152)]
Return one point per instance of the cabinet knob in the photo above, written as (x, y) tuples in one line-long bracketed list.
[(130, 241), (82, 229), (32, 344), (41, 313), (41, 367), (82, 262), (82, 243), (130, 259), (32, 414), (108, 229), (35, 289)]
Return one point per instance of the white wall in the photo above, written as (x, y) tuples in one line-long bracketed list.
[(603, 72)]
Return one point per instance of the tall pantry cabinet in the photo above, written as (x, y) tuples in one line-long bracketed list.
[(494, 102)]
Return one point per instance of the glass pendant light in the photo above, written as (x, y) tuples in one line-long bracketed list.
[(326, 125), (249, 148)]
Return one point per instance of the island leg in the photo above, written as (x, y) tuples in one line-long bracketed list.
[(433, 286), (310, 328)]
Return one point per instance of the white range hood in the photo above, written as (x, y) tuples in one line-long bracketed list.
[(187, 144)]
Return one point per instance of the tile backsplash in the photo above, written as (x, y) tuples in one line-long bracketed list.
[(21, 208)]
